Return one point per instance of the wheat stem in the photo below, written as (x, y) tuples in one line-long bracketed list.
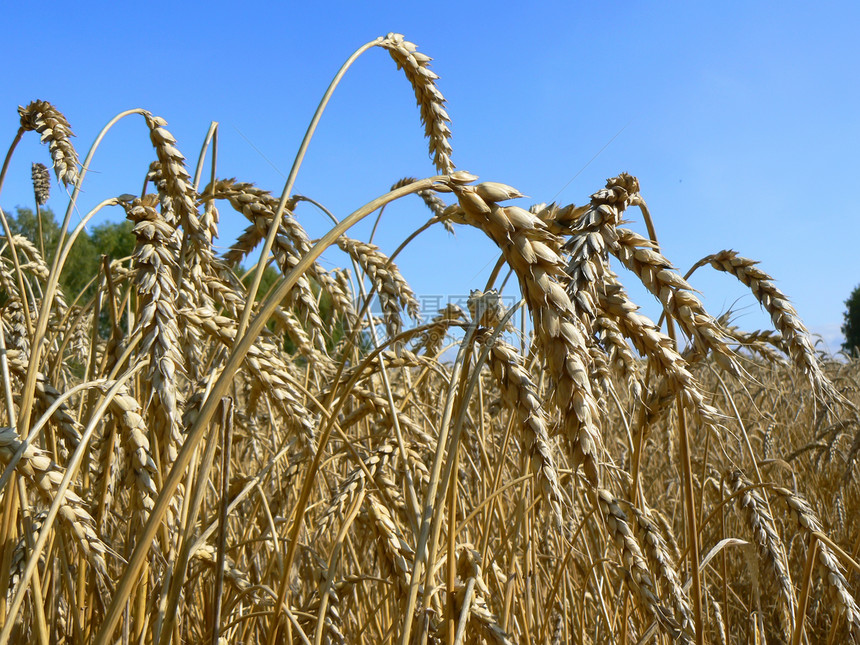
[(288, 187), (196, 431)]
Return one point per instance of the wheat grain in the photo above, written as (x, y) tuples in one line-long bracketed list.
[(54, 129), (534, 255), (430, 100), (41, 184), (828, 565), (783, 315), (46, 476)]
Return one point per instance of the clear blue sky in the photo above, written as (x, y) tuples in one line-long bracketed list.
[(741, 120)]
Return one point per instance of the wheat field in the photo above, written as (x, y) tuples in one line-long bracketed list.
[(190, 458)]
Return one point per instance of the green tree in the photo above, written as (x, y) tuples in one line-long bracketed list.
[(851, 328), (26, 223), (117, 241), (114, 240), (270, 277)]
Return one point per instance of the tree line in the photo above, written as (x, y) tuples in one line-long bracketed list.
[(114, 240)]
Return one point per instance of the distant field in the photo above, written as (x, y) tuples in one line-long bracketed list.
[(195, 452)]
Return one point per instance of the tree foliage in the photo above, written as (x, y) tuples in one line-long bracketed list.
[(115, 240), (851, 327)]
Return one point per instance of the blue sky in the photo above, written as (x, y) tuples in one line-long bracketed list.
[(739, 119)]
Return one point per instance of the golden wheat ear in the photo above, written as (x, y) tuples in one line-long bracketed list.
[(54, 130), (416, 66)]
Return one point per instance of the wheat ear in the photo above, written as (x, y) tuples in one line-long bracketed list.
[(782, 313), (534, 254), (638, 577), (769, 544), (828, 566), (416, 66), (289, 245), (657, 553), (474, 592), (46, 476), (352, 484), (651, 342), (520, 394), (392, 289), (41, 183), (54, 130), (430, 199), (46, 395), (155, 258), (127, 412), (264, 362), (430, 342)]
